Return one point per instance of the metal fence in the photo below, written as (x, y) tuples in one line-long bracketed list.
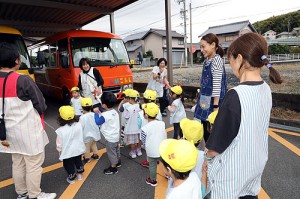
[(278, 58)]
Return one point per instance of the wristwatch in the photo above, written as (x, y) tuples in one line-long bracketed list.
[(205, 155)]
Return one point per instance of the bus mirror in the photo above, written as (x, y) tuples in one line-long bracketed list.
[(64, 61), (41, 58)]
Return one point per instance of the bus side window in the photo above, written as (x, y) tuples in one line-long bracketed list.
[(52, 54), (63, 53)]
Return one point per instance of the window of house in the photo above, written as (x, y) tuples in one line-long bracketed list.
[(229, 38), (180, 42)]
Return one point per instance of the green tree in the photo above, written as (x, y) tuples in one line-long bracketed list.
[(149, 54)]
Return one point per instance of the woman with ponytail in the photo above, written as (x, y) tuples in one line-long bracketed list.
[(213, 81), (237, 149)]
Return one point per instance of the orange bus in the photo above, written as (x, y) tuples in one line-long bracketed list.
[(14, 36), (57, 60)]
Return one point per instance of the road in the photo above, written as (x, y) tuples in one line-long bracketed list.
[(280, 179)]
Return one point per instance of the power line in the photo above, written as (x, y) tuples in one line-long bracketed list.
[(172, 16)]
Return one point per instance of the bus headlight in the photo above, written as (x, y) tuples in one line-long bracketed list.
[(124, 87)]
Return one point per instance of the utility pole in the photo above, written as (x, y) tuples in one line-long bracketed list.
[(169, 40), (191, 51), (183, 12)]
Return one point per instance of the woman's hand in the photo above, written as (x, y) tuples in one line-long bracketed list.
[(99, 91)]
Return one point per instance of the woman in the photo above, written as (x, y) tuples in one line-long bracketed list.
[(159, 83), (213, 81), (237, 149), (90, 83)]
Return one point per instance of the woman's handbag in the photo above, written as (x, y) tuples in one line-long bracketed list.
[(2, 122)]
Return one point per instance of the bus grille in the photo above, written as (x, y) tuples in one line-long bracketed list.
[(113, 89)]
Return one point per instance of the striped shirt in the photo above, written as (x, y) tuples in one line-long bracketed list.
[(217, 71), (238, 169)]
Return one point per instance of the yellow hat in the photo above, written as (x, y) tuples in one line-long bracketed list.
[(177, 90), (181, 155), (150, 94), (192, 130), (133, 93), (127, 91), (211, 118), (151, 109), (67, 112), (75, 88), (86, 102)]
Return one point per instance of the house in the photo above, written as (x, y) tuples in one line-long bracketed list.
[(155, 40), (296, 31), (284, 35), (270, 34), (229, 32)]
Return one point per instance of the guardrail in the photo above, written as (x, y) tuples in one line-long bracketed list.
[(278, 58)]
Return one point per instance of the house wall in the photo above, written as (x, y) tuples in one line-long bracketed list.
[(176, 42), (245, 30), (154, 42)]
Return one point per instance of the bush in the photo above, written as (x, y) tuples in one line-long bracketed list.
[(278, 49), (149, 54)]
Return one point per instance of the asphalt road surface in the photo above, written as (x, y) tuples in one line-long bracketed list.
[(280, 179)]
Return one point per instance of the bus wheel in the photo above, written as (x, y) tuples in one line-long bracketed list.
[(66, 96)]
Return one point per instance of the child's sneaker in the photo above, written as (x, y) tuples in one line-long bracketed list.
[(139, 151), (122, 144), (86, 160), (44, 195), (95, 157), (132, 154), (71, 178), (153, 183), (23, 196), (110, 170), (119, 164), (145, 163), (79, 176)]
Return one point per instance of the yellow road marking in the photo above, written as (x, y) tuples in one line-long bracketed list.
[(285, 132), (285, 143), (47, 169), (72, 189), (263, 195), (168, 130)]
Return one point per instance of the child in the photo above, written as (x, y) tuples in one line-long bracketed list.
[(149, 96), (69, 143), (75, 101), (177, 110), (192, 131), (153, 133), (110, 129), (196, 98), (91, 132), (179, 157), (124, 104), (132, 131)]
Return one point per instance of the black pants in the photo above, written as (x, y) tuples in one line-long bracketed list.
[(206, 128), (248, 197), (177, 131), (163, 101), (71, 163)]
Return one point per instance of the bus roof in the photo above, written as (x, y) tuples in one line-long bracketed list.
[(80, 33), (9, 30)]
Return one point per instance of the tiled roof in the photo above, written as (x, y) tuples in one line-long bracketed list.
[(228, 28)]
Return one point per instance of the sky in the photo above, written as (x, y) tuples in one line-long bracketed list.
[(145, 14)]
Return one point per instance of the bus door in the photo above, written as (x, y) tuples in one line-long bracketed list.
[(47, 73), (66, 73)]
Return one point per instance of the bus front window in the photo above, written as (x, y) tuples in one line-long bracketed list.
[(17, 40), (100, 51)]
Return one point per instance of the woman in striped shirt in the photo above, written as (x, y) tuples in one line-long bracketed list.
[(213, 80), (237, 149)]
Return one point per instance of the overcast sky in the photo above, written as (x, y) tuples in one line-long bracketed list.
[(145, 14)]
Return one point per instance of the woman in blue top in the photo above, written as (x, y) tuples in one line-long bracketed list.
[(213, 80)]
